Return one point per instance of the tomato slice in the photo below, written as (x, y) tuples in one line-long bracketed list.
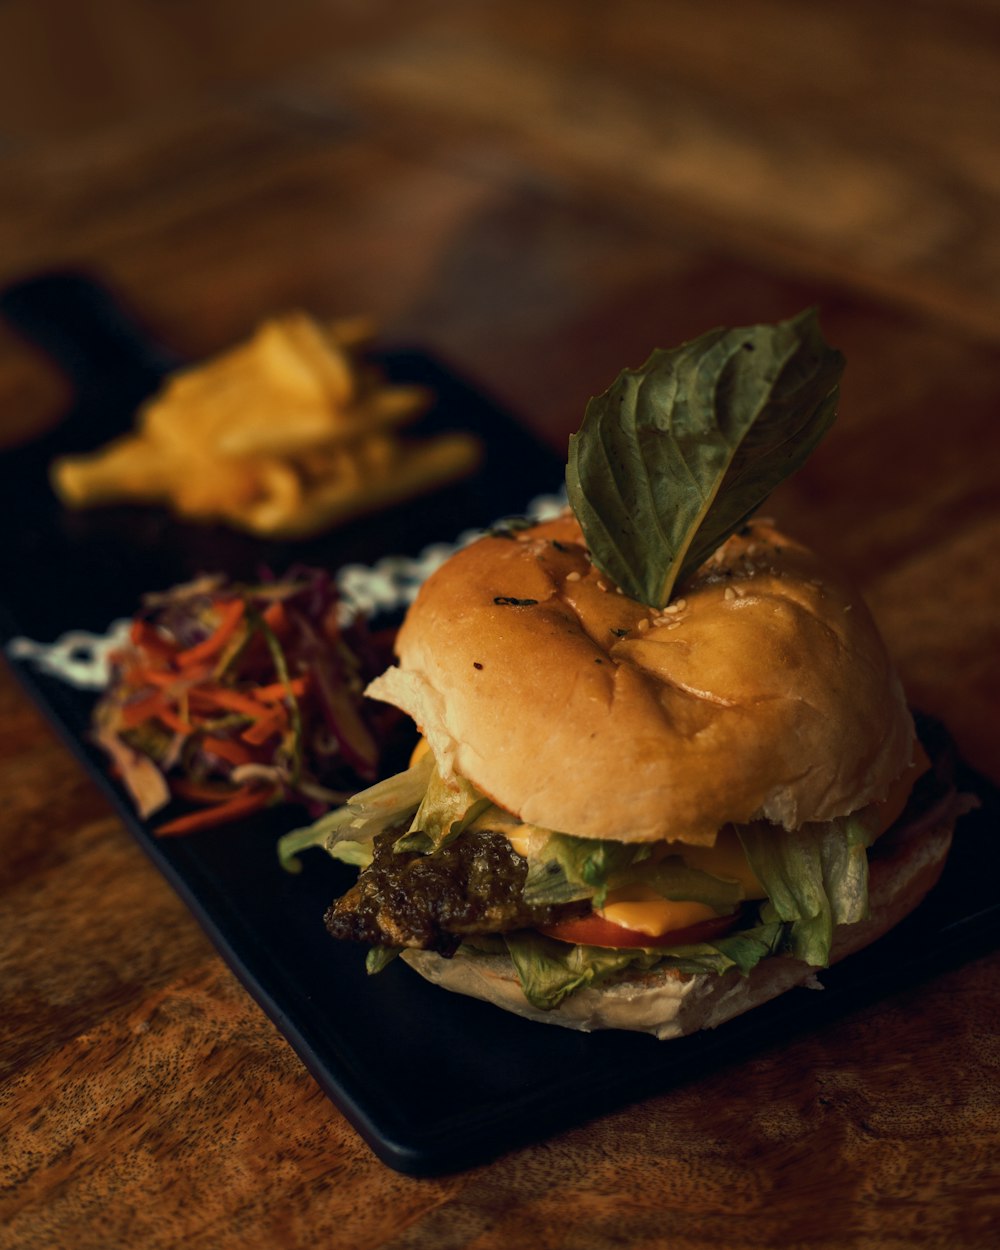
[(594, 930)]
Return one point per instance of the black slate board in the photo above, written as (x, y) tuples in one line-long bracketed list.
[(433, 1082)]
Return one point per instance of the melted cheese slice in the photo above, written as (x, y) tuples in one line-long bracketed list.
[(527, 840), (639, 907)]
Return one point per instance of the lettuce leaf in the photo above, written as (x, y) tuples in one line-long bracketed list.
[(671, 878), (570, 868), (549, 970), (446, 810), (675, 456), (380, 957), (816, 878), (348, 832), (743, 949)]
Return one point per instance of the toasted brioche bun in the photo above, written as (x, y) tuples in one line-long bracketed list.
[(906, 865), (762, 691)]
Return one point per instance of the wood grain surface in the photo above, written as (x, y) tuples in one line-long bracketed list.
[(540, 194)]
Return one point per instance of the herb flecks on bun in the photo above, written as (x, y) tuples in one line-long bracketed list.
[(634, 810)]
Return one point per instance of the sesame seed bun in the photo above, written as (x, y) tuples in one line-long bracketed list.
[(762, 691)]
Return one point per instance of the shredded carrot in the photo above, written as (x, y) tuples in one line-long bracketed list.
[(149, 638), (202, 792), (166, 677), (207, 697), (279, 690), (141, 710), (230, 615), (173, 720), (276, 619), (154, 705), (244, 801), (259, 732), (226, 749)]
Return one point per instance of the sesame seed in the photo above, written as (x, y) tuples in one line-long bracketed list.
[(674, 625), (643, 626), (681, 604), (601, 585), (573, 577), (729, 593), (848, 606)]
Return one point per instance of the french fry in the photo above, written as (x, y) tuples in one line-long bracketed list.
[(286, 434), (299, 358), (126, 468), (417, 469)]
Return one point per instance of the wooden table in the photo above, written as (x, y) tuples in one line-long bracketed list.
[(539, 193)]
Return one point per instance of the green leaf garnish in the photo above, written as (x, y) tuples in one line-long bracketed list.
[(676, 456)]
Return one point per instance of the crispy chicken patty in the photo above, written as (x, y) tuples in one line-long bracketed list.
[(473, 885)]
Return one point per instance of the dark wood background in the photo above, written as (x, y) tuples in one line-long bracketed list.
[(540, 193)]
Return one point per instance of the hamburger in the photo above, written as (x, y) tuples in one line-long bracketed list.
[(666, 769)]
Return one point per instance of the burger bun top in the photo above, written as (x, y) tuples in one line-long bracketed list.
[(762, 691)]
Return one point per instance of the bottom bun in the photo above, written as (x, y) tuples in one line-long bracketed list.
[(905, 865)]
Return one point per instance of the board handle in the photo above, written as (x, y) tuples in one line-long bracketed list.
[(86, 330)]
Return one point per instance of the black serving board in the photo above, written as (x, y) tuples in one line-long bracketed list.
[(432, 1081)]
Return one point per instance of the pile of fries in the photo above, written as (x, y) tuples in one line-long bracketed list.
[(286, 435)]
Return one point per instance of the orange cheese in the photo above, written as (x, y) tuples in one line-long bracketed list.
[(639, 907)]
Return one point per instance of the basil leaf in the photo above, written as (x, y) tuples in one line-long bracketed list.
[(675, 456)]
